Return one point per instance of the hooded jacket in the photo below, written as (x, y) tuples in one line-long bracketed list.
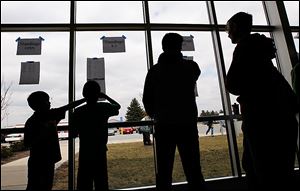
[(255, 80)]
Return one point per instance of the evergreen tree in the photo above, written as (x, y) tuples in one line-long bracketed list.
[(134, 111)]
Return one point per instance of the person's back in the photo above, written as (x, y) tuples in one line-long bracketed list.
[(258, 80), (93, 126), (90, 123), (169, 98), (171, 82)]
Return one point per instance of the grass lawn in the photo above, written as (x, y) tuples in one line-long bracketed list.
[(132, 164)]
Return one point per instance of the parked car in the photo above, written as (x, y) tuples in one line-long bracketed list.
[(111, 132), (145, 129), (63, 135), (126, 130), (14, 137)]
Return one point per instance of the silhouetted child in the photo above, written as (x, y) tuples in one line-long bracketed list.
[(90, 123), (40, 135)]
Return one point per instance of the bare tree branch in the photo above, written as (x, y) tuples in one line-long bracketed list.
[(5, 98)]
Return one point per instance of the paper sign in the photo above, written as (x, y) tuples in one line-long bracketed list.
[(30, 73), (96, 71), (113, 44), (29, 46), (188, 43), (102, 86)]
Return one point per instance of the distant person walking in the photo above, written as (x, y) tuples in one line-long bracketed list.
[(210, 128), (268, 107), (40, 135), (90, 123), (169, 99)]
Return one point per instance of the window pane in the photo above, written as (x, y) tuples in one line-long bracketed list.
[(292, 11), (53, 80), (129, 164), (35, 12), (214, 158), (226, 9), (209, 100), (207, 85), (188, 12), (109, 12)]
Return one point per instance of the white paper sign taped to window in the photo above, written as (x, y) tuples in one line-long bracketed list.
[(96, 71), (30, 46), (113, 44), (188, 43), (30, 73)]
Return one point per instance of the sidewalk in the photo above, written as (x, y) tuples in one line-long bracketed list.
[(14, 174)]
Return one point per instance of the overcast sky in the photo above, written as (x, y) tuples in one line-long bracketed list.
[(124, 72)]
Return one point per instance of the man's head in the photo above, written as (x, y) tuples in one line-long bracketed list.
[(172, 42), (91, 91), (39, 101), (239, 26)]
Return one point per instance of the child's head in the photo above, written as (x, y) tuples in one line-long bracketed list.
[(39, 101), (172, 42), (91, 91)]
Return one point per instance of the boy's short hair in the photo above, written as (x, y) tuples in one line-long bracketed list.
[(243, 21), (172, 42), (91, 89), (35, 98)]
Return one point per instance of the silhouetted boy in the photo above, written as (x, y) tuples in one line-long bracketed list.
[(268, 107), (90, 122), (40, 135)]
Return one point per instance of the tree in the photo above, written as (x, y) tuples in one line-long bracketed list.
[(5, 99), (134, 111), (208, 113)]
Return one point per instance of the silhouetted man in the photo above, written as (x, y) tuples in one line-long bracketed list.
[(90, 123), (268, 107), (169, 99)]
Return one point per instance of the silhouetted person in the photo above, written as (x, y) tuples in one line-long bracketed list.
[(236, 109), (146, 131), (169, 99), (268, 107), (210, 128), (90, 123), (40, 135)]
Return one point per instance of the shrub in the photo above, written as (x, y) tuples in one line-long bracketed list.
[(6, 152), (18, 146)]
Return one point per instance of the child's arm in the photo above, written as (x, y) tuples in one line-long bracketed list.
[(102, 95), (73, 104)]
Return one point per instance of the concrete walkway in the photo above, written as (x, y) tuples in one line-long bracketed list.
[(14, 174)]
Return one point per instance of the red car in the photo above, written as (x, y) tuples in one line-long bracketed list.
[(126, 130)]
